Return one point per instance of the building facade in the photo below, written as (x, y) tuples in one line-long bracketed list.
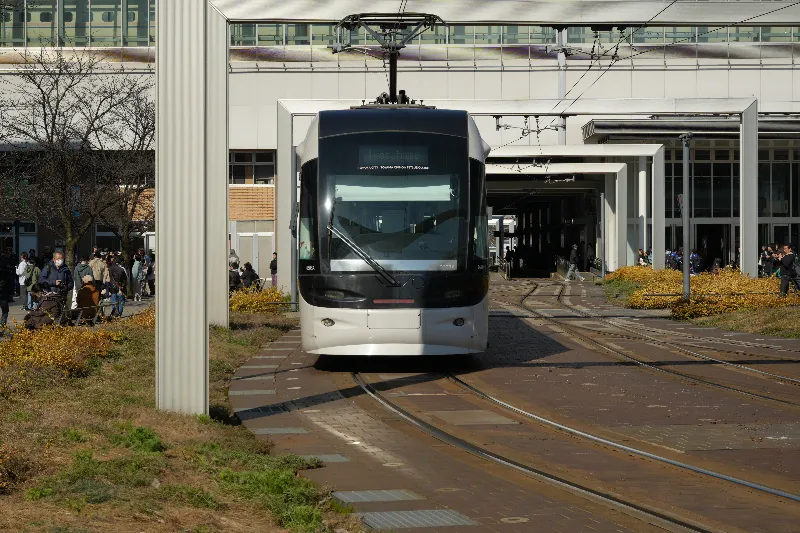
[(272, 61)]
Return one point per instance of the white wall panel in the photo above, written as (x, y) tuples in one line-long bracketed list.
[(544, 81), (776, 84), (712, 81), (648, 82), (680, 83), (745, 82), (460, 85), (352, 85), (245, 90), (244, 125), (515, 85), (488, 83), (324, 84), (266, 136)]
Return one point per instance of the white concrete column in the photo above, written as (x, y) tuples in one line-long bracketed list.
[(621, 216), (217, 167), (188, 79), (748, 189), (642, 204), (610, 230), (659, 224), (286, 187)]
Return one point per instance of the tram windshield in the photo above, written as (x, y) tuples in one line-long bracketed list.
[(401, 198)]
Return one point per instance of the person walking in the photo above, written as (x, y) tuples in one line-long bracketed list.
[(118, 282), (7, 281), (273, 269), (21, 277), (88, 300), (82, 269), (137, 277), (98, 270), (32, 272), (788, 270), (151, 276), (574, 257)]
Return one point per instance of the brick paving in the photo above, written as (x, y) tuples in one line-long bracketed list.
[(310, 406), (382, 454)]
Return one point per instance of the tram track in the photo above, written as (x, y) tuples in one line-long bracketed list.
[(617, 353), (656, 517)]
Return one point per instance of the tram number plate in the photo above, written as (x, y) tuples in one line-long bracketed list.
[(393, 319)]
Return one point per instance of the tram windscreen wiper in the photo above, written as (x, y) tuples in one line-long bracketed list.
[(361, 253)]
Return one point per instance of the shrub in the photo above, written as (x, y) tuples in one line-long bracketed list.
[(140, 439), (67, 349), (723, 292), (145, 319), (255, 301)]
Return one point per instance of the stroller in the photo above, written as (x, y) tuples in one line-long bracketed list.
[(52, 310)]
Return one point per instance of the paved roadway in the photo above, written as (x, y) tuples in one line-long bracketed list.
[(401, 478)]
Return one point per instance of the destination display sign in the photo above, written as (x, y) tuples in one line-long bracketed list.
[(388, 157)]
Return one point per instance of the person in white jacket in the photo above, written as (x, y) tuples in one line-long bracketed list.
[(23, 292)]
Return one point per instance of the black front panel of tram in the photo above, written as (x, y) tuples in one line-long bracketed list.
[(412, 201)]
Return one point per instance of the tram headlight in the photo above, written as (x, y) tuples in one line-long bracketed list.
[(458, 322), (327, 322)]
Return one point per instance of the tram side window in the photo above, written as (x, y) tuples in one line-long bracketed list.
[(308, 201), (480, 218)]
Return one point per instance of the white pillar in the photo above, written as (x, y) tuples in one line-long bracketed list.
[(217, 167), (286, 187), (610, 230), (642, 204), (748, 189), (659, 224), (621, 216), (188, 79)]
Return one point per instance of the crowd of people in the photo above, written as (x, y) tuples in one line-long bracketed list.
[(48, 289), (245, 277)]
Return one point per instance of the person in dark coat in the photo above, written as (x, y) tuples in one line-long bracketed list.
[(249, 276), (7, 279), (56, 276), (117, 286), (273, 269), (788, 272), (234, 279)]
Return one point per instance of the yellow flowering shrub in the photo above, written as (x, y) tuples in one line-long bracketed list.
[(712, 294), (146, 319), (254, 301), (68, 349)]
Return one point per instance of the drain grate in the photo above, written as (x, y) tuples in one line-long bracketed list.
[(408, 519), (328, 458), (358, 496), (279, 431)]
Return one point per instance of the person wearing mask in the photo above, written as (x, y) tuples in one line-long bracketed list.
[(55, 276), (21, 277), (82, 269), (7, 282), (249, 276), (118, 286), (788, 270), (32, 272), (273, 269), (574, 257)]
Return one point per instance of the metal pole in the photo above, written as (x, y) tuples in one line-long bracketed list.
[(603, 235), (393, 75), (561, 35), (686, 205)]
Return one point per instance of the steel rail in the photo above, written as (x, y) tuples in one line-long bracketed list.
[(613, 444), (650, 365), (654, 517), (670, 344)]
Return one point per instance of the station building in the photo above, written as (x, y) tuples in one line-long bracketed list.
[(689, 58)]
